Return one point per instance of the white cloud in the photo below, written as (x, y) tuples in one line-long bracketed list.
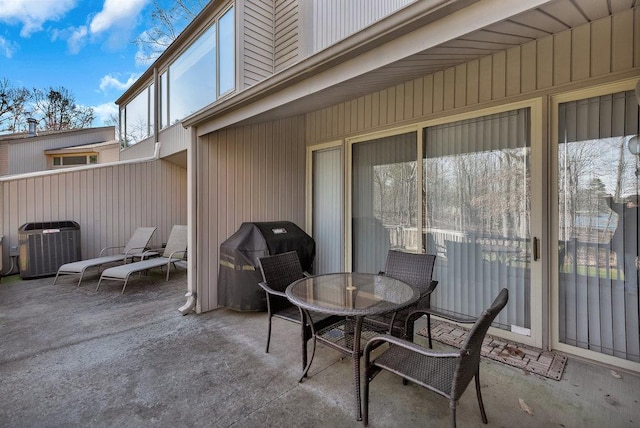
[(110, 81), (32, 14), (149, 51), (7, 47), (116, 13), (77, 40), (104, 113)]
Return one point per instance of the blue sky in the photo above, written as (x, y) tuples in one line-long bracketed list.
[(84, 45)]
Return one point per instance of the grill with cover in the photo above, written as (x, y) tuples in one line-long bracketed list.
[(239, 272)]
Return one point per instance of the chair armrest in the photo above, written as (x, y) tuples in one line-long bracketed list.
[(171, 256), (110, 248), (427, 294), (136, 251), (376, 341), (270, 290), (150, 251), (448, 315)]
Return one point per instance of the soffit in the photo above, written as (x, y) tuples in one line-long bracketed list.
[(539, 22)]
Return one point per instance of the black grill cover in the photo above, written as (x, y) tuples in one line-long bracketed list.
[(239, 272)]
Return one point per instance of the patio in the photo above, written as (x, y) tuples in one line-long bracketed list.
[(75, 357)]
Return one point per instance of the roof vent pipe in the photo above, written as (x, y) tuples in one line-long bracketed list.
[(33, 123)]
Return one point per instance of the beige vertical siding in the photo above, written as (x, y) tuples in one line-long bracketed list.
[(4, 159), (250, 173), (336, 19), (108, 202), (257, 41), (174, 139), (592, 50)]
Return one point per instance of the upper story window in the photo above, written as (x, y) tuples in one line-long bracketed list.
[(199, 76), (227, 53), (192, 77), (137, 118), (202, 73)]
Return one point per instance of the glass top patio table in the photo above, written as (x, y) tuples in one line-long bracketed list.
[(353, 295)]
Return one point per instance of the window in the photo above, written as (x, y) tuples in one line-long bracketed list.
[(384, 200), (192, 77), (226, 57), (477, 213), (598, 233), (74, 160), (164, 100), (139, 116), (202, 73)]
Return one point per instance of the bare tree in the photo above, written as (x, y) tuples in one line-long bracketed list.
[(169, 18), (57, 108), (13, 106)]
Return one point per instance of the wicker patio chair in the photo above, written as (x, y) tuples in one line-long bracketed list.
[(446, 373), (278, 271), (416, 270)]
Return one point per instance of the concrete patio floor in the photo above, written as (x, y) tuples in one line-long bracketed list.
[(71, 356)]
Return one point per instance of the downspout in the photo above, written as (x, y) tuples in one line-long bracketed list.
[(191, 295)]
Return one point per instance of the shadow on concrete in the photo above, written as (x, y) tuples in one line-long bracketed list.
[(71, 356)]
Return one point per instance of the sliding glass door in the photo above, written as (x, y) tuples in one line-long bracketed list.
[(327, 186), (477, 213), (384, 199), (597, 225)]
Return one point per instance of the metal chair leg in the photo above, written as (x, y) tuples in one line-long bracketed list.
[(452, 414), (80, 280), (268, 335), (479, 394)]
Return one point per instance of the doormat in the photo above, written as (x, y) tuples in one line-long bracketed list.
[(549, 364)]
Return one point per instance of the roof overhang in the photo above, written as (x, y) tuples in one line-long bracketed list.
[(382, 55), (83, 148)]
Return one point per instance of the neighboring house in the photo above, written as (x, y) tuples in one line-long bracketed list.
[(84, 154), (26, 152), (473, 129)]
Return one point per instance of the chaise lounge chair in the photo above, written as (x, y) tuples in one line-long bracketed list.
[(175, 250), (134, 248)]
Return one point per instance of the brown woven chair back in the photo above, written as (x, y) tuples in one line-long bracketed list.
[(414, 269), (280, 270), (470, 351)]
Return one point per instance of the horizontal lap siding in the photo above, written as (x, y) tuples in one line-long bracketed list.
[(107, 202), (592, 50), (250, 173), (257, 45), (287, 33)]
